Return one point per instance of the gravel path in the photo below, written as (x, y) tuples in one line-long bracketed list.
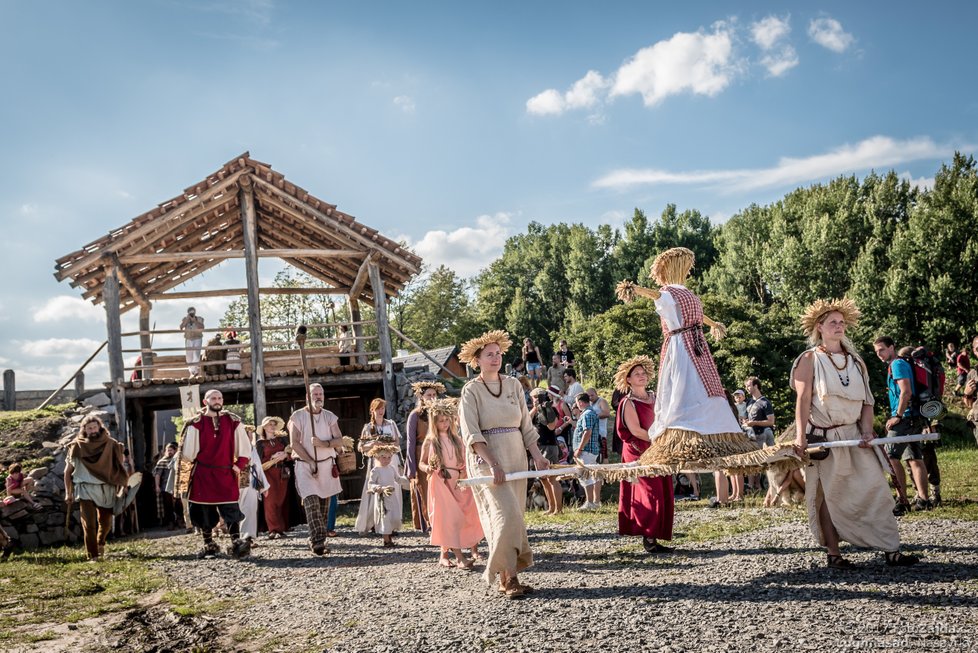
[(765, 590)]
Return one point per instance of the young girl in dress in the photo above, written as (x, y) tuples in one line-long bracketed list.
[(378, 430), (451, 510), (382, 486)]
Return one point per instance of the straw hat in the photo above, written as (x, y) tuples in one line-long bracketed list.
[(621, 376), (471, 349), (277, 421), (822, 307), (442, 407), (419, 387)]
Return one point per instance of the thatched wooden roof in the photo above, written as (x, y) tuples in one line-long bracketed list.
[(205, 218)]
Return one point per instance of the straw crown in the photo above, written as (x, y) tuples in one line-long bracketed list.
[(822, 307), (621, 376), (470, 350)]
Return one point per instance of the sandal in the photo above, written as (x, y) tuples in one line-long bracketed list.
[(838, 562), (897, 559), (513, 590)]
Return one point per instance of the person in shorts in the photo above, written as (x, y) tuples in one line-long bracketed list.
[(546, 420), (904, 420)]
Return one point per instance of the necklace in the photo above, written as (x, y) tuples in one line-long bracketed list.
[(497, 395), (838, 370), (647, 399)]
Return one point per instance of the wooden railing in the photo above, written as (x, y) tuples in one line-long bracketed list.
[(280, 353)]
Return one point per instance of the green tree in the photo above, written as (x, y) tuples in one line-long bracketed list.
[(438, 311)]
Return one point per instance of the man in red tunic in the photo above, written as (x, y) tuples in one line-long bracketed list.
[(217, 444)]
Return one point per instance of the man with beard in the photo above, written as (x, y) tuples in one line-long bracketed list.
[(314, 434), (218, 446)]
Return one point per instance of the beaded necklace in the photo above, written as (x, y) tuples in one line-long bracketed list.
[(838, 370)]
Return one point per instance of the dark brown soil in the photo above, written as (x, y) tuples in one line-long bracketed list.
[(159, 629)]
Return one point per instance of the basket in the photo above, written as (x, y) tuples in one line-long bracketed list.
[(346, 462)]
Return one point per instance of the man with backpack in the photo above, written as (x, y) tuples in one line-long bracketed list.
[(904, 419)]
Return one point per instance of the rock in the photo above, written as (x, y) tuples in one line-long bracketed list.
[(50, 445), (7, 510), (38, 472), (31, 528), (48, 537), (54, 519), (98, 400), (30, 541)]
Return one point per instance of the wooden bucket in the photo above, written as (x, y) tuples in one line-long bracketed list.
[(346, 462)]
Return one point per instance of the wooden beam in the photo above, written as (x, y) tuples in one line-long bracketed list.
[(249, 221), (113, 327), (333, 222), (357, 329), (145, 342), (163, 257), (181, 212), (356, 289), (237, 292), (384, 335), (423, 352), (127, 282)]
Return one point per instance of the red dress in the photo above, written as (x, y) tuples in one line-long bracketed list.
[(278, 475), (646, 507)]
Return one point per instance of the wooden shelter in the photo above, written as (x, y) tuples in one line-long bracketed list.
[(248, 211)]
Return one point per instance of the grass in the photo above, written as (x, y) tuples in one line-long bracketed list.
[(12, 419), (193, 603), (60, 586)]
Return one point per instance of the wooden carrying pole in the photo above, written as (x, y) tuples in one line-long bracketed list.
[(73, 376)]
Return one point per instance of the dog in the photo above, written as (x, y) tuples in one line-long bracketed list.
[(536, 499)]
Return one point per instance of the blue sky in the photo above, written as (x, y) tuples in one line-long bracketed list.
[(451, 125)]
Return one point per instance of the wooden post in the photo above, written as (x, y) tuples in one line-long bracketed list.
[(138, 451), (113, 327), (249, 219), (384, 335), (357, 329), (145, 341), (9, 390), (79, 384)]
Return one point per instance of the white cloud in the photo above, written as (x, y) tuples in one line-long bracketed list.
[(828, 33), (699, 63), (547, 103), (405, 103), (767, 32), (74, 348), (781, 62), (28, 209), (66, 307), (872, 153), (583, 94), (922, 183), (466, 249)]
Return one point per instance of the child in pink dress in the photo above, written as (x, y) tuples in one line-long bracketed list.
[(452, 513)]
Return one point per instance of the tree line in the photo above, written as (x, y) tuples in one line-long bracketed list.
[(905, 255)]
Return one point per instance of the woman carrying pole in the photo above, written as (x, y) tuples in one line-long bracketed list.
[(845, 488)]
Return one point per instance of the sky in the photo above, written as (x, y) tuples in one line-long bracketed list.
[(448, 125)]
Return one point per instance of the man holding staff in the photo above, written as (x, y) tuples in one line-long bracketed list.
[(314, 434), (845, 489)]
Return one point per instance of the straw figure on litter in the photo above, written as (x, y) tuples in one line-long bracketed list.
[(694, 427)]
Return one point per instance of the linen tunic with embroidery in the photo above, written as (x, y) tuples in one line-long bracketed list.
[(500, 507)]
